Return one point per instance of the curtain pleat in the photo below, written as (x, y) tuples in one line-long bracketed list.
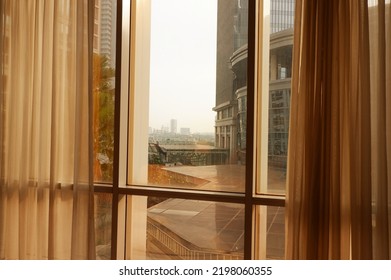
[(46, 191), (381, 145), (388, 118), (338, 197)]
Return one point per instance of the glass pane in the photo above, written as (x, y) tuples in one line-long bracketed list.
[(190, 229), (198, 94), (280, 73), (275, 238), (270, 239), (103, 202), (103, 85)]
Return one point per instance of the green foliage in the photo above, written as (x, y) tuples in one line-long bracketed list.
[(104, 101)]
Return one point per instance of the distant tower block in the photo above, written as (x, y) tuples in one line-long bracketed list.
[(173, 126)]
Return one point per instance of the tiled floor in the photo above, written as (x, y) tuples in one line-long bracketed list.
[(206, 225), (227, 178), (213, 226)]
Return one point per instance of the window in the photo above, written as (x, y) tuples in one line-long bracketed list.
[(203, 177), (104, 63), (104, 70)]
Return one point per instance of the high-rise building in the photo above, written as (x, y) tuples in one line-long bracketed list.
[(226, 103), (280, 57), (104, 29), (108, 27), (96, 44), (282, 14), (173, 126), (231, 78), (279, 96)]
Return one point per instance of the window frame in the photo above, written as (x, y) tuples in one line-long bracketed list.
[(255, 178)]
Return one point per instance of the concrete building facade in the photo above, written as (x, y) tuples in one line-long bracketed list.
[(231, 78), (231, 74)]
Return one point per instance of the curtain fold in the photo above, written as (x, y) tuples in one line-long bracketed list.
[(338, 197), (380, 46), (46, 188)]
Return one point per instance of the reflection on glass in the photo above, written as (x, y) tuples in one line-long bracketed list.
[(103, 225), (271, 237), (192, 230), (280, 69), (103, 88), (198, 94), (275, 238)]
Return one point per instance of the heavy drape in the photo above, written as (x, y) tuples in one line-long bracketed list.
[(46, 195), (339, 165)]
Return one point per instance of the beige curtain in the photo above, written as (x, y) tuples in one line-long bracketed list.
[(46, 195), (339, 165)]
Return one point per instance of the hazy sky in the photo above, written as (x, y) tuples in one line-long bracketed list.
[(183, 63)]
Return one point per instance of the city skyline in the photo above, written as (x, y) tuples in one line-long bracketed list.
[(183, 74), (166, 128)]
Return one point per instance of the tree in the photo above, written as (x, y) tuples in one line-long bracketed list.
[(103, 91)]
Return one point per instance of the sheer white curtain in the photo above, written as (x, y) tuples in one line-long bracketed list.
[(339, 166), (46, 195)]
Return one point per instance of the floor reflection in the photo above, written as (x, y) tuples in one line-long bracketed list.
[(185, 229)]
